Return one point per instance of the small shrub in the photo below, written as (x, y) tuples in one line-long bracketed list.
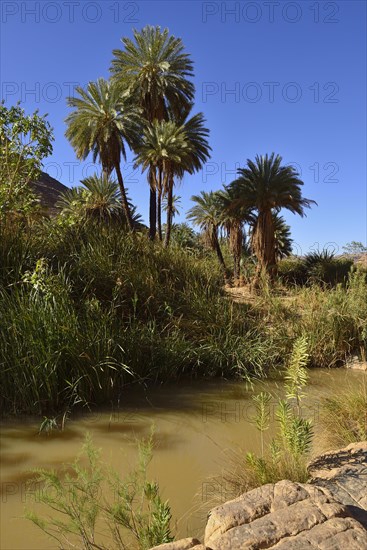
[(321, 268), (324, 268), (292, 271), (134, 516)]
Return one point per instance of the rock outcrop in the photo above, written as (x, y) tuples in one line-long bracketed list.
[(49, 190), (328, 513), (283, 515), (344, 474)]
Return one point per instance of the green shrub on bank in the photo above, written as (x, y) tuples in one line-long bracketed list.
[(87, 310), (316, 268), (292, 271), (335, 321)]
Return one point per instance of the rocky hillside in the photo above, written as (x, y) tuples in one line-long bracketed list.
[(49, 190)]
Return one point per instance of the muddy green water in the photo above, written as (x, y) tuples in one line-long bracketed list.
[(195, 426)]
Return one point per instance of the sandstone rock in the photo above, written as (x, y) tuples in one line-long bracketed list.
[(275, 513), (334, 534), (329, 513), (182, 544), (344, 474)]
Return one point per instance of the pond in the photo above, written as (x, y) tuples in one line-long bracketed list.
[(195, 424)]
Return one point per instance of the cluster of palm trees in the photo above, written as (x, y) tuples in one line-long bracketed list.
[(255, 198), (146, 106)]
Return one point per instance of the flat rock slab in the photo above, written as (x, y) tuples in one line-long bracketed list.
[(344, 474), (284, 515), (183, 544)]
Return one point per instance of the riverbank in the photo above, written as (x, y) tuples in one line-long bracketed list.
[(94, 311)]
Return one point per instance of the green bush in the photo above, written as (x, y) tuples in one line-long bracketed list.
[(324, 268), (292, 271), (83, 516), (88, 308), (317, 267)]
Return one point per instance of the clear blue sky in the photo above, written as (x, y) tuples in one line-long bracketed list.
[(296, 71)]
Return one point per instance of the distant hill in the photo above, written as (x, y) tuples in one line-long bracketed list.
[(49, 190)]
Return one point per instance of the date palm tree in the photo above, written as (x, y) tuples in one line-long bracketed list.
[(176, 205), (101, 123), (233, 218), (169, 150), (162, 147), (196, 154), (98, 199), (265, 187), (154, 72), (207, 214)]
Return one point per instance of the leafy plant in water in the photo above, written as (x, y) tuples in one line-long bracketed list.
[(137, 517)]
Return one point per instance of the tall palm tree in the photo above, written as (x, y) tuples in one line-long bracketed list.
[(170, 150), (264, 187), (154, 72), (282, 237), (197, 153), (100, 124), (162, 146), (207, 214), (176, 205), (233, 219)]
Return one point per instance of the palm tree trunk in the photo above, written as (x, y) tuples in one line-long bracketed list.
[(125, 204), (264, 246), (159, 214), (236, 268), (169, 213), (216, 246), (159, 205), (152, 205), (235, 239)]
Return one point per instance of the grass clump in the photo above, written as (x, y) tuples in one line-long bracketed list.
[(335, 321), (83, 516), (344, 418)]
